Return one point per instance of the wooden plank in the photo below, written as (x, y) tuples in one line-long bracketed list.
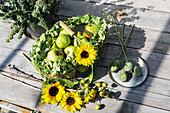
[(14, 57), (140, 38), (144, 39), (24, 43), (161, 5), (28, 96), (12, 107), (18, 93), (160, 20), (109, 106), (32, 82)]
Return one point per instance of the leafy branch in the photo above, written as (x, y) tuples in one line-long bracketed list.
[(29, 13)]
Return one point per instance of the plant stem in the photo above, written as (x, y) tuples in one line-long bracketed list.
[(122, 39), (119, 37), (127, 38), (123, 44)]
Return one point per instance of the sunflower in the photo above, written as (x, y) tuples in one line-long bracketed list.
[(90, 96), (53, 93), (85, 54), (71, 102)]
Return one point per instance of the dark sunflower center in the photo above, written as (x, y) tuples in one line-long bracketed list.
[(84, 54), (70, 101), (53, 91)]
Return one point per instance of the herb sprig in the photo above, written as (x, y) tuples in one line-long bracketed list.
[(29, 13)]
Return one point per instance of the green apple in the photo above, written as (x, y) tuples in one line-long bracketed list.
[(55, 55), (90, 29), (63, 41), (81, 37), (69, 50)]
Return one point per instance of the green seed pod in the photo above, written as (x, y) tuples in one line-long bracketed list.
[(98, 84), (101, 93), (128, 67), (82, 81), (115, 65), (138, 70), (97, 106), (106, 94), (123, 76), (104, 84)]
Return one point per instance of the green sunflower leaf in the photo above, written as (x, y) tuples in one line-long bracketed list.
[(65, 82), (42, 100), (90, 77)]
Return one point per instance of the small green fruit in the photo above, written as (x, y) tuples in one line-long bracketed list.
[(97, 106), (87, 89), (63, 41), (86, 85), (55, 55), (106, 94), (104, 84), (82, 81), (69, 50), (98, 84), (82, 39), (101, 93)]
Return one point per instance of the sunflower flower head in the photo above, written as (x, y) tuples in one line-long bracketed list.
[(53, 93), (71, 102), (90, 96), (85, 54)]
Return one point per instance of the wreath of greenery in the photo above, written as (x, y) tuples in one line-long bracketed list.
[(45, 42)]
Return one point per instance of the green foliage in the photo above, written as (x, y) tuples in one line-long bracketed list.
[(45, 42), (29, 13)]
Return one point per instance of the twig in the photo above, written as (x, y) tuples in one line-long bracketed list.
[(21, 72)]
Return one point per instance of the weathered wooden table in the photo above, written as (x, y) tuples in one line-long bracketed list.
[(150, 40)]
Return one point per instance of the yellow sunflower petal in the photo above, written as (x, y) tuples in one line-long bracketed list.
[(56, 94), (73, 109), (77, 106), (85, 54)]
